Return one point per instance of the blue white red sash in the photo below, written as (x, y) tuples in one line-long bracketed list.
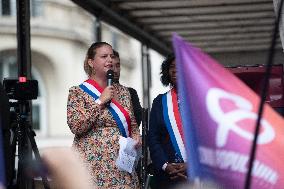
[(119, 114), (173, 122)]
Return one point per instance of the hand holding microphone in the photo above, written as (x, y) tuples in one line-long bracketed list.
[(109, 76), (108, 92)]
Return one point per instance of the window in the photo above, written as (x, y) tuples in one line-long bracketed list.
[(36, 8), (114, 40), (8, 8), (39, 106), (8, 69), (5, 7)]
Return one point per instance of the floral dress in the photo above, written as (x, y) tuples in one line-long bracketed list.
[(97, 136)]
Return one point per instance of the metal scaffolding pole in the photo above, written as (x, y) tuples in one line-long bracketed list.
[(98, 29), (146, 76)]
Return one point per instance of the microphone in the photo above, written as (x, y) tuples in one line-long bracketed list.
[(109, 76)]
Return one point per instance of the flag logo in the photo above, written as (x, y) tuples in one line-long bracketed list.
[(229, 121)]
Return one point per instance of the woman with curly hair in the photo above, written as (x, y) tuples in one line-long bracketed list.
[(165, 136)]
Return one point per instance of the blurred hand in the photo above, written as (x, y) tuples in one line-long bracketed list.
[(177, 171), (139, 142), (171, 169), (66, 169), (181, 172), (181, 167)]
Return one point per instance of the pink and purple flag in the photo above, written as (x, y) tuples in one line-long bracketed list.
[(219, 114)]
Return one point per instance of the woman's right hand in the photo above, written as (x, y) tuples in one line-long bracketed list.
[(107, 94)]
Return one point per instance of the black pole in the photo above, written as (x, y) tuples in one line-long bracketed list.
[(98, 29), (23, 37), (146, 75), (24, 150), (26, 142), (146, 82), (31, 134), (24, 70), (144, 148), (24, 147), (263, 95)]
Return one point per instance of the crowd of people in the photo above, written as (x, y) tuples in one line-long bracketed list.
[(99, 114)]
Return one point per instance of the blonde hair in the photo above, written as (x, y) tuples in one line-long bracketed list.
[(91, 54)]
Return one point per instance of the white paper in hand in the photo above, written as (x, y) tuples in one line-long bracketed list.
[(125, 162), (127, 154)]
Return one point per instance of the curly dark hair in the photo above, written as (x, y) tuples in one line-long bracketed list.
[(165, 76)]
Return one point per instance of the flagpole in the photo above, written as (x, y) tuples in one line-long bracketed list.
[(263, 96)]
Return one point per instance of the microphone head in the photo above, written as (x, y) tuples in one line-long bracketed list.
[(110, 74)]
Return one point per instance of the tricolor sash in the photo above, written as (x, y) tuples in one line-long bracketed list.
[(119, 114), (173, 122)]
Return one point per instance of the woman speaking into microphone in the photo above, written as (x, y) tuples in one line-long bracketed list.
[(98, 126)]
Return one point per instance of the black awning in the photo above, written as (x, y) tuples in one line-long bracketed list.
[(213, 25)]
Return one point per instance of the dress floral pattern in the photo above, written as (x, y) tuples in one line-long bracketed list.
[(97, 135)]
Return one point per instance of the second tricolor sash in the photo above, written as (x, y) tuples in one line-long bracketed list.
[(173, 122), (119, 114)]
